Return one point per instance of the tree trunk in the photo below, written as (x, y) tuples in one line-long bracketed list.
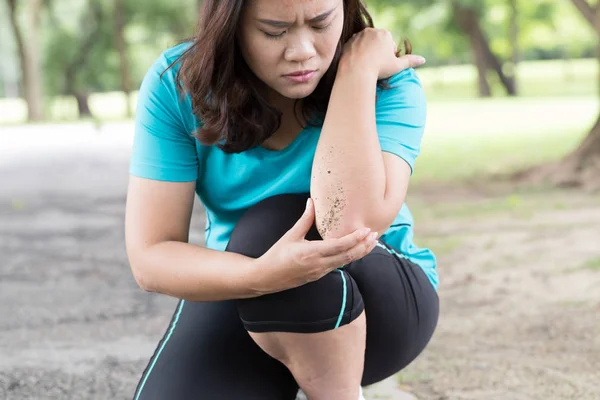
[(121, 45), (589, 150), (29, 58), (482, 67), (514, 41), (468, 20), (91, 25), (494, 62), (582, 166), (9, 87), (587, 155), (83, 104)]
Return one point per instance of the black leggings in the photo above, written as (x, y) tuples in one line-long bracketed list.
[(207, 353)]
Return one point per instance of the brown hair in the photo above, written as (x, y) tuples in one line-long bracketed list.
[(226, 95)]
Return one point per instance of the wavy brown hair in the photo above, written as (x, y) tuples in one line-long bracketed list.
[(227, 97)]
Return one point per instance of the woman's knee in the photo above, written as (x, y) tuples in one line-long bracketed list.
[(263, 224), (331, 302)]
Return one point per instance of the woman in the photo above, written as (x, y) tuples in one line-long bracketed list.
[(275, 103)]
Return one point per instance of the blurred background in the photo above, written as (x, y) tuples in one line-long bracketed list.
[(506, 193)]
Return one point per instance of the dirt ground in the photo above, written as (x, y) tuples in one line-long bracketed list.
[(520, 304)]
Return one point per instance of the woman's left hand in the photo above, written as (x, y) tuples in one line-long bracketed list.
[(375, 50)]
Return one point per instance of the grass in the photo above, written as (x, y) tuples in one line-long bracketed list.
[(409, 376), (466, 139), (440, 245), (537, 79), (520, 205), (549, 78), (593, 264), (104, 107)]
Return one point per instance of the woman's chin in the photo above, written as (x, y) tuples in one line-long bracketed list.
[(297, 92)]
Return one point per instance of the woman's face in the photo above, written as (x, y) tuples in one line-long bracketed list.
[(290, 44)]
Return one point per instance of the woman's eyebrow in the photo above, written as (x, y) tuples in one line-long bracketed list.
[(285, 24)]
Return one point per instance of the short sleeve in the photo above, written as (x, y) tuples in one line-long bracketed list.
[(400, 114), (163, 149)]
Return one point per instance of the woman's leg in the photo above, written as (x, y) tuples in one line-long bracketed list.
[(402, 311), (297, 326), (207, 354), (318, 330)]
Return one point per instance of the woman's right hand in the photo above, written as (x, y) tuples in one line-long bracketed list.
[(294, 261)]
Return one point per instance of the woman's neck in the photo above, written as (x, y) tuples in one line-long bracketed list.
[(290, 126)]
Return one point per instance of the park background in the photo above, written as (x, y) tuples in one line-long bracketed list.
[(505, 192)]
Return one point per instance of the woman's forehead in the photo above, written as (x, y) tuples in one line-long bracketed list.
[(290, 10)]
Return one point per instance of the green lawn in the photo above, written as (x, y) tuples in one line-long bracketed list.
[(467, 138), (537, 79), (552, 78)]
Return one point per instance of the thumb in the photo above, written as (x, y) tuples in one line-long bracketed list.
[(410, 61), (303, 225)]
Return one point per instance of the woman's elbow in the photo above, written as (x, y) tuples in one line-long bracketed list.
[(331, 227), (351, 223), (140, 273)]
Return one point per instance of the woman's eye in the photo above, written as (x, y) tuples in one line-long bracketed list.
[(321, 28), (274, 35)]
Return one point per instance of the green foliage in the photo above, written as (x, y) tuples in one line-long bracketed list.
[(79, 52), (81, 37), (548, 29)]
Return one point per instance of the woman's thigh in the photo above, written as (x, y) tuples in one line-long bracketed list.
[(401, 304), (402, 309), (207, 354)]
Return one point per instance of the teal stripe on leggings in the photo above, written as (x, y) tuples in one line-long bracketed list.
[(161, 348), (344, 295), (391, 251)]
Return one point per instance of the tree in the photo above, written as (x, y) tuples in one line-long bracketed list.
[(580, 168), (513, 33), (95, 46), (587, 155), (29, 56), (466, 14), (90, 24), (462, 18), (121, 45)]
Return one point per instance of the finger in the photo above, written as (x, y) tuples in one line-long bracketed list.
[(332, 247), (303, 225), (357, 252), (410, 61)]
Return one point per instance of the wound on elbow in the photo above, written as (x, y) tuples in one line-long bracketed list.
[(330, 222)]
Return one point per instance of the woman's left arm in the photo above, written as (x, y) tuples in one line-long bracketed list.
[(354, 184)]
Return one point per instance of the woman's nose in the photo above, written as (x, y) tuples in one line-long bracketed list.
[(301, 50)]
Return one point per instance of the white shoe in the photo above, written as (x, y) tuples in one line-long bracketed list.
[(302, 396)]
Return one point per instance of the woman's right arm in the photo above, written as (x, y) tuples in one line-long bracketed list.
[(157, 223)]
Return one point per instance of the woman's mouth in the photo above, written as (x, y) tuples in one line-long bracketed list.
[(301, 76)]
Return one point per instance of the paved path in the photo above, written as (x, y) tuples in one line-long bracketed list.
[(73, 324)]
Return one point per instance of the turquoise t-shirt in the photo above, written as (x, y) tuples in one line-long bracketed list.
[(228, 184)]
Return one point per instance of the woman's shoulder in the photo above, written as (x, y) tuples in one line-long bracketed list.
[(159, 92), (404, 90), (405, 78), (173, 53), (167, 58)]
